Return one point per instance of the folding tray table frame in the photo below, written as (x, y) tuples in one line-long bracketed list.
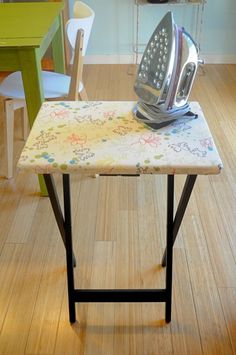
[(119, 295)]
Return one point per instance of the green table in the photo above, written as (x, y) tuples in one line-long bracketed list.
[(26, 31)]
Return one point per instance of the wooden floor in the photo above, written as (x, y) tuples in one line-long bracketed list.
[(119, 237)]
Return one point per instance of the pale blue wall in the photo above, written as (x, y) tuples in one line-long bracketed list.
[(114, 22)]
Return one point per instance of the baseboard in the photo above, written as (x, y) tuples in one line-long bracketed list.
[(219, 58), (109, 59), (131, 59)]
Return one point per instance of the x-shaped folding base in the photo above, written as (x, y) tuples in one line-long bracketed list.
[(119, 295)]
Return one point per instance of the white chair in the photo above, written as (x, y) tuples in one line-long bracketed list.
[(55, 85), (83, 12), (83, 17)]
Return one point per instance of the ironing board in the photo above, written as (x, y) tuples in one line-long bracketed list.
[(104, 138)]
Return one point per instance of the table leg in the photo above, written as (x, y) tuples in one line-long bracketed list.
[(52, 192), (31, 76), (64, 225), (183, 202), (32, 81), (58, 49), (169, 246), (69, 247)]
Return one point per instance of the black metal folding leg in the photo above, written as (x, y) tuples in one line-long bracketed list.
[(173, 225), (52, 193), (64, 225), (69, 246), (169, 245), (119, 295), (183, 202)]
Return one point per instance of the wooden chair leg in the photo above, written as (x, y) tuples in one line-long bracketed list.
[(25, 123), (83, 95), (9, 136)]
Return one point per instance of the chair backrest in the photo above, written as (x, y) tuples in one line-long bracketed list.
[(77, 67), (83, 18), (82, 10)]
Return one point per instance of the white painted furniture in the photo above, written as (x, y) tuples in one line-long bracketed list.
[(83, 17)]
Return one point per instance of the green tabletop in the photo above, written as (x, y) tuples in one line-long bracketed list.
[(25, 24), (26, 31), (28, 25)]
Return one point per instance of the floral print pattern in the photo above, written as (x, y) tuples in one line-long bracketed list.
[(105, 138)]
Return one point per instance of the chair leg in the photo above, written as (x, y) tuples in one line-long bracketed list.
[(83, 95), (25, 123), (9, 136)]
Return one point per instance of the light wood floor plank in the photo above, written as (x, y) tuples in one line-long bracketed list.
[(223, 262), (100, 316), (25, 210), (228, 299), (211, 322), (71, 339), (14, 196), (225, 199), (22, 301), (107, 211), (43, 332), (184, 326), (9, 264), (128, 318)]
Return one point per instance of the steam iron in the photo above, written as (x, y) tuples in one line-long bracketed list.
[(165, 75)]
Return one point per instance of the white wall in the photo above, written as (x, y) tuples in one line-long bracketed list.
[(113, 32)]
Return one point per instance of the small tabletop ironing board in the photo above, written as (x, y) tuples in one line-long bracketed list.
[(104, 138)]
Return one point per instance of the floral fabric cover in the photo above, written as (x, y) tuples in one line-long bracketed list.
[(104, 138)]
